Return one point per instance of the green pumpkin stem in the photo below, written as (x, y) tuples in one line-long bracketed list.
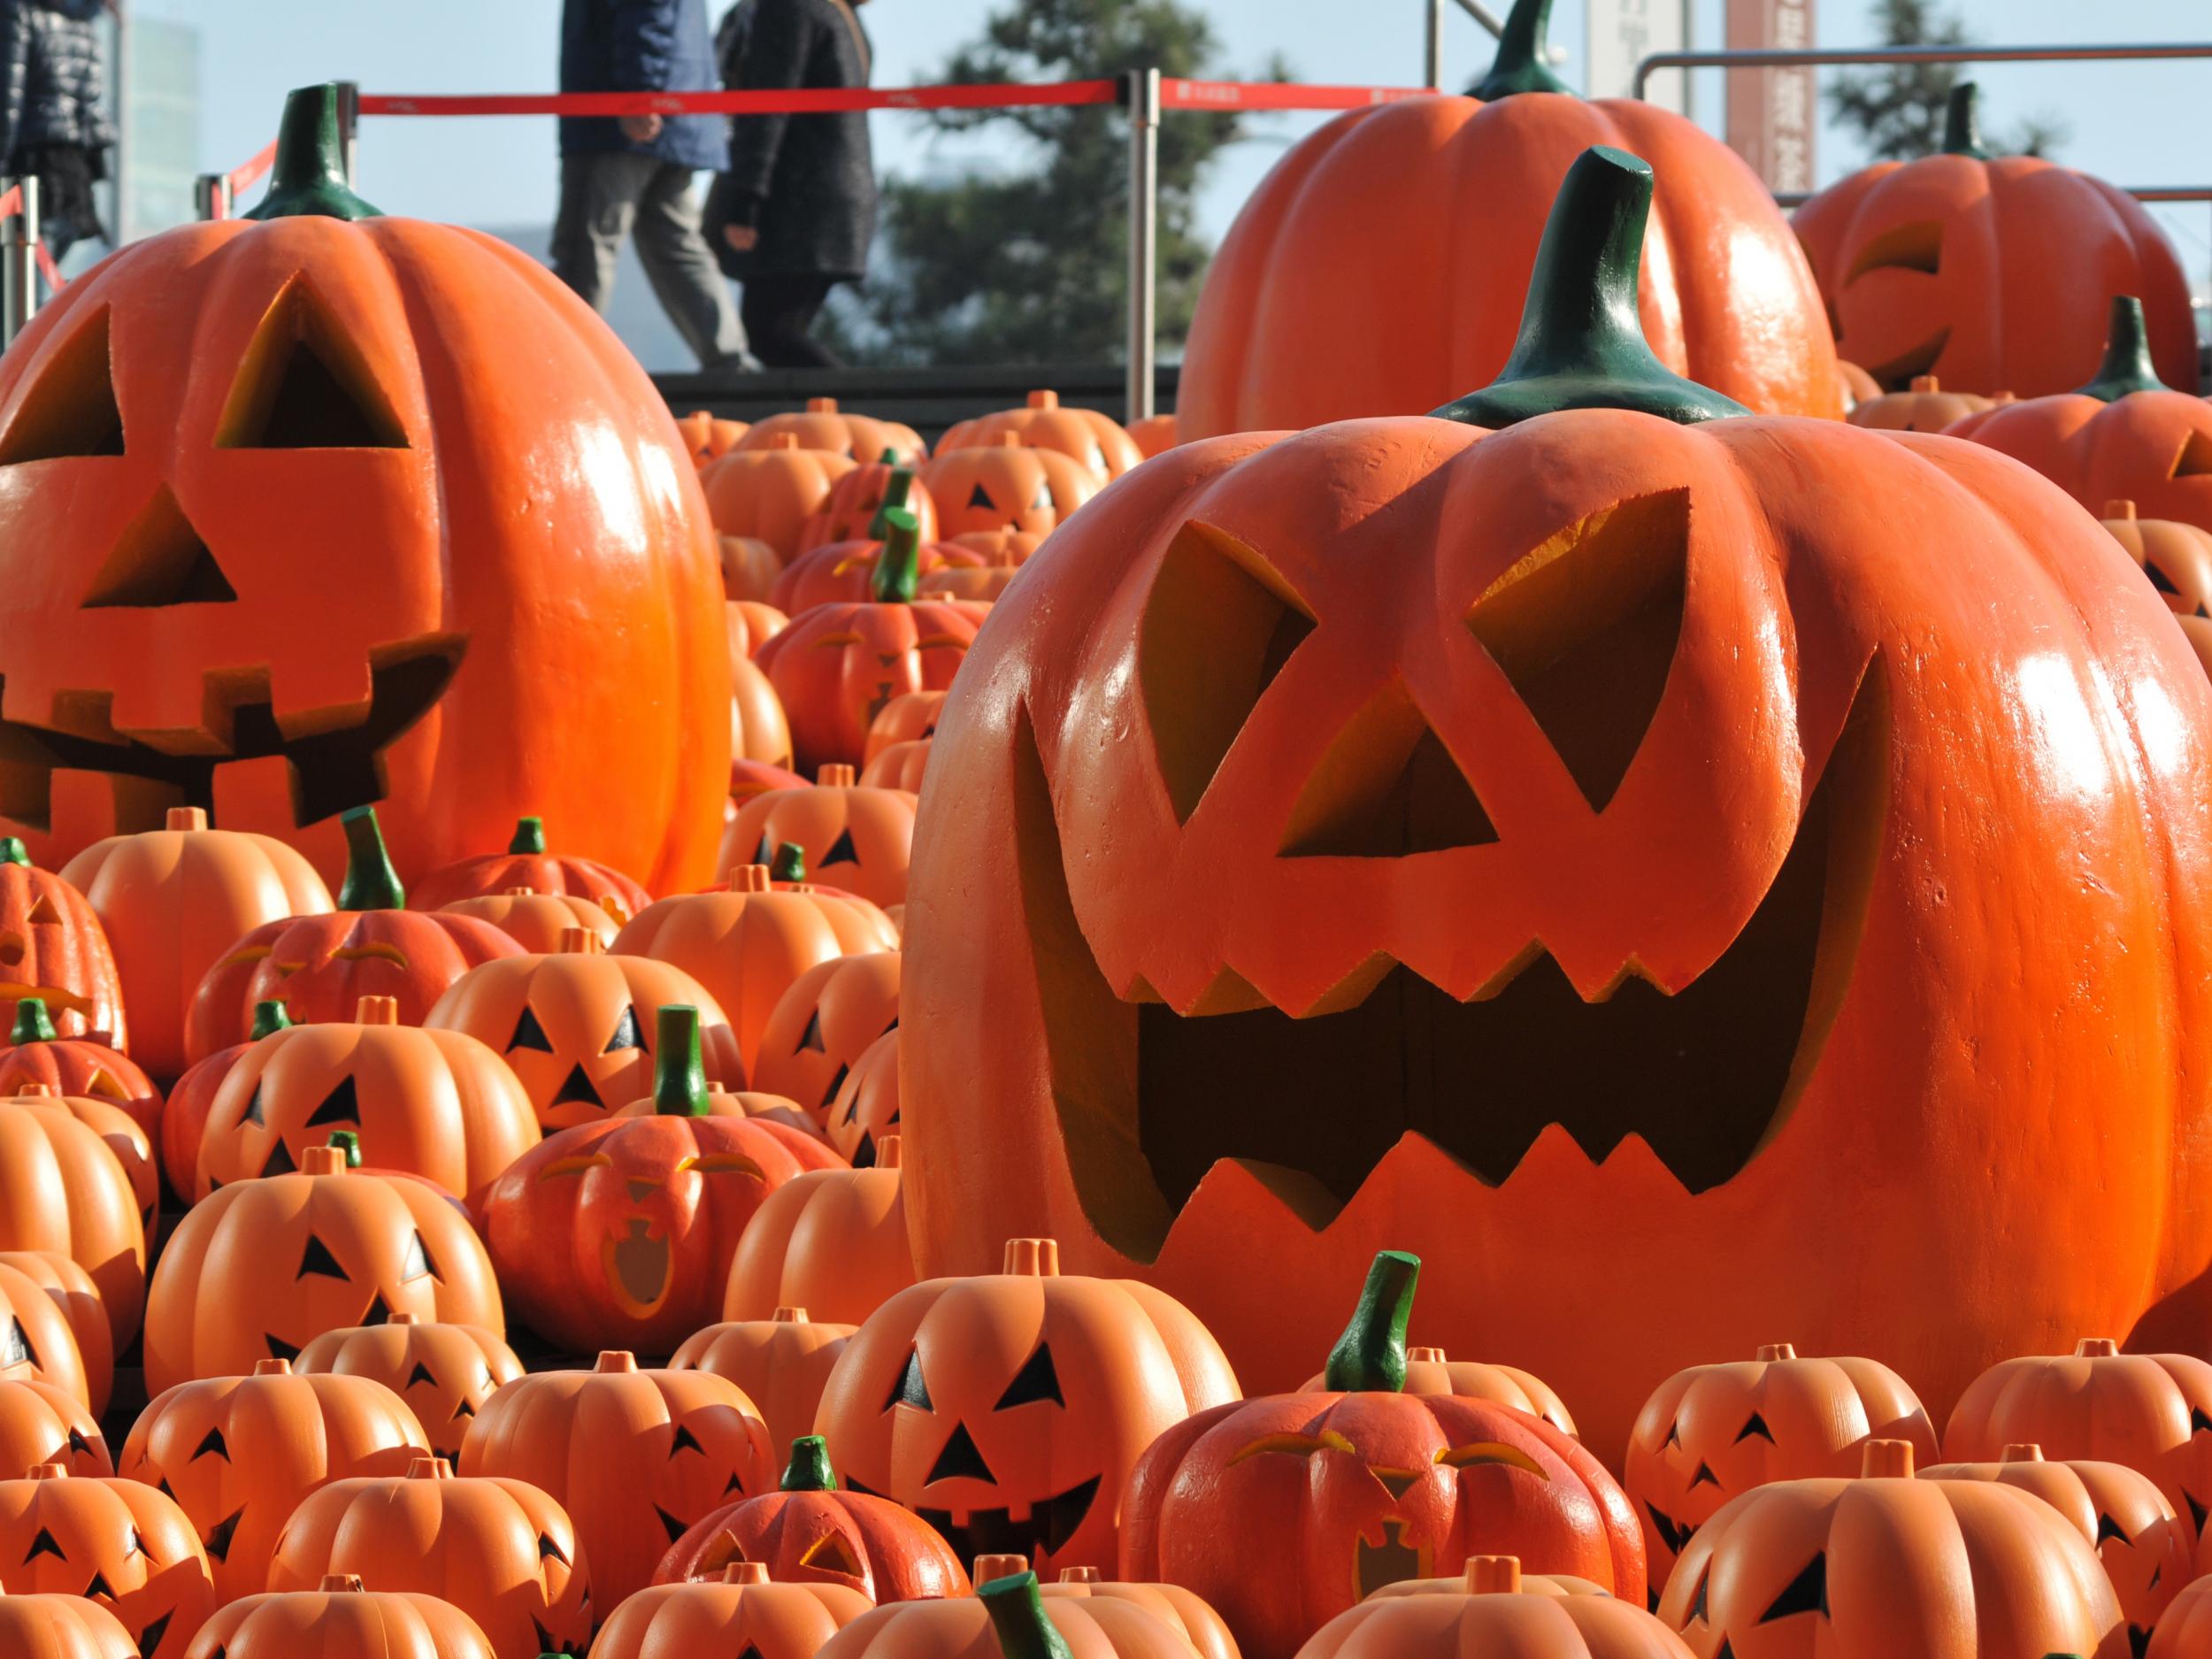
[(13, 851), (371, 883), (1582, 344), (32, 1023), (1521, 64), (2127, 356), (1962, 122), (789, 863), (348, 1143), (1018, 1614), (680, 1074), (809, 1470), (309, 179), (896, 491), (269, 1017), (899, 566), (529, 837), (1371, 1356)]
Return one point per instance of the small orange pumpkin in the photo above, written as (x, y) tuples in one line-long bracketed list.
[(2177, 558), (831, 1240), (62, 1627), (708, 436), (901, 767), (822, 1025), (749, 567), (781, 1362), (526, 864), (1007, 485), (769, 486), (759, 729), (843, 572), (62, 1189), (53, 947), (118, 1542), (752, 624), (83, 1066), (536, 920), (40, 1424), (1098, 441), (904, 719), (341, 1619), (855, 837), (857, 502), (54, 1327), (1926, 407), (825, 428)]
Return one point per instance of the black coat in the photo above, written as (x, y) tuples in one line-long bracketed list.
[(53, 80), (807, 182)]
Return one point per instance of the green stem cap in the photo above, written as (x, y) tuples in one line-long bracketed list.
[(529, 836), (1582, 344), (32, 1024), (309, 180), (1962, 122), (1521, 64), (2127, 356), (269, 1017), (1018, 1613), (680, 1075), (899, 566), (896, 490), (371, 883), (1371, 1356), (13, 851), (348, 1143), (809, 1470), (789, 863)]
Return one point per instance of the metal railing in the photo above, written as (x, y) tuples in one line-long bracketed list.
[(1779, 58), (1432, 37)]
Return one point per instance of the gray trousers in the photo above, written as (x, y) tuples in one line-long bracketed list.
[(606, 195)]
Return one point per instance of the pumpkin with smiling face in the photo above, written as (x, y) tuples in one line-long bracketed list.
[(119, 1543), (1006, 486), (1712, 1432), (1609, 787), (1008, 1408), (577, 1027), (262, 1267), (320, 967), (1991, 271), (84, 1067), (175, 431), (1362, 1485), (620, 1232), (855, 837)]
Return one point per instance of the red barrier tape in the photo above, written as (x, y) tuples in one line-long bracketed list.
[(52, 272), (799, 101), (12, 200), (243, 178), (1269, 94)]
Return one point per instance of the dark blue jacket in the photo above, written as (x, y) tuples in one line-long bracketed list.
[(53, 80), (642, 46)]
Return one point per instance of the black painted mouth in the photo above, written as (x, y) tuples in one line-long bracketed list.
[(336, 759), (1702, 1076), (1050, 1524)]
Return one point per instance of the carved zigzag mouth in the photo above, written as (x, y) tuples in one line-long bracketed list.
[(1150, 1099), (337, 755)]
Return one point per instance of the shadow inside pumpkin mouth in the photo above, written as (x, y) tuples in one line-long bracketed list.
[(1151, 1100), (638, 1268), (1051, 1524), (337, 755)]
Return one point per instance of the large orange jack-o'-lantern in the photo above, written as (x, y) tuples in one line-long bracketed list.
[(1609, 857), (330, 508)]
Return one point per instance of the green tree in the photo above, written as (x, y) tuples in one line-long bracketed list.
[(1899, 109), (1028, 263)]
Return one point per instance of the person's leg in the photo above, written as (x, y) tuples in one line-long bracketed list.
[(779, 312), (599, 202), (681, 269)]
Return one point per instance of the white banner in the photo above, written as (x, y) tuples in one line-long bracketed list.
[(1623, 33)]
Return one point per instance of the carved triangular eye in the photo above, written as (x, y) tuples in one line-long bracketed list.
[(42, 909), (2160, 580), (71, 409), (549, 1549), (417, 1263), (831, 1554), (420, 1374), (1755, 1424), (2195, 458), (159, 561), (1218, 625), (340, 1106), (44, 1545), (841, 850), (625, 1033), (911, 1390), (213, 1445), (304, 385), (530, 1034), (1385, 787), (318, 1259), (981, 497), (1807, 1592), (811, 1037), (15, 1346), (2107, 1527), (1586, 627), (685, 1441), (1038, 1379)]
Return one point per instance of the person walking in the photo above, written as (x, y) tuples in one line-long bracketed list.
[(53, 123), (794, 214), (632, 176)]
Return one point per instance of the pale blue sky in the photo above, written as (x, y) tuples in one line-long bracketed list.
[(2133, 123)]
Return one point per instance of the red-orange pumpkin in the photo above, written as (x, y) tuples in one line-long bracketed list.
[(1169, 1603), (536, 920), (781, 1362), (842, 573), (184, 1118), (526, 864), (85, 1067), (53, 948), (749, 567), (865, 1112), (132, 1147), (855, 837), (1923, 406), (759, 729), (117, 1542), (742, 1612), (62, 1190), (342, 1618), (54, 1327), (854, 507), (904, 719), (62, 1627), (900, 767), (1007, 1619)]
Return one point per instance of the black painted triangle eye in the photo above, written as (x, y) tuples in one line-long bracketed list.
[(1807, 1592), (214, 1445), (981, 497), (811, 1037), (2160, 580), (417, 1263), (1697, 1602), (254, 1112), (278, 1161), (684, 1440), (15, 1346), (1755, 1424), (765, 853), (72, 410), (1674, 1432), (219, 1541), (962, 1459), (548, 1549), (2107, 1527), (912, 1390), (77, 1441), (150, 1638), (339, 1107), (421, 1373), (303, 385), (318, 1259), (2199, 1419), (1036, 1380), (625, 1033), (44, 1545), (1704, 1477), (99, 1589), (841, 850), (530, 1034)]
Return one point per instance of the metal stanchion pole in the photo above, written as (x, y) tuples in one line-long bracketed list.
[(1144, 231), (349, 123), (211, 195), (1433, 77), (18, 262)]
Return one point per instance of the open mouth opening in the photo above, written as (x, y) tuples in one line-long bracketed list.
[(1898, 375), (1150, 1100), (1390, 1562), (1049, 1526), (337, 756), (637, 1269)]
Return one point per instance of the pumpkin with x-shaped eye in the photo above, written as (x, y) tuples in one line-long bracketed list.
[(688, 1441), (1885, 1563), (1007, 1410), (239, 1452), (809, 1531), (1363, 1485), (578, 1026), (1413, 831), (178, 428), (62, 1627), (342, 1618), (502, 1551), (118, 1542), (741, 1611), (822, 1025), (53, 1328), (620, 1232), (261, 1268), (855, 837), (1712, 1432), (321, 966), (84, 1067), (40, 1424), (1006, 485), (53, 948), (443, 1372)]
